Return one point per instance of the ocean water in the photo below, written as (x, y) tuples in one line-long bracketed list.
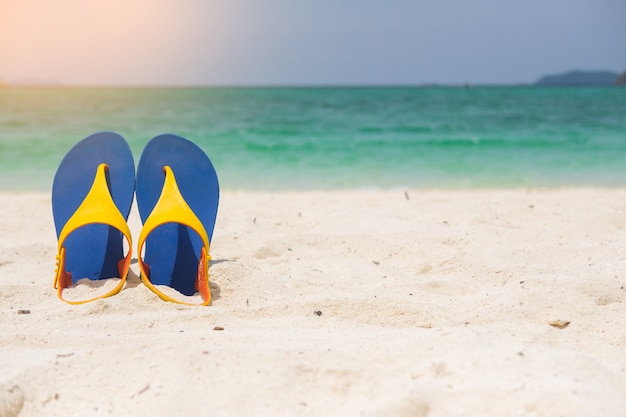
[(333, 138)]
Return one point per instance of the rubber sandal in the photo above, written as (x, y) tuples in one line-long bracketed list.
[(177, 198), (92, 194)]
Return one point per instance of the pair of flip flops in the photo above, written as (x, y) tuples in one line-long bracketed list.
[(177, 196)]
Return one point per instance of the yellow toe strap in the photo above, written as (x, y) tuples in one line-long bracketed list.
[(98, 207), (171, 207)]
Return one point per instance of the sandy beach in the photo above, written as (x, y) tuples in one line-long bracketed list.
[(338, 303)]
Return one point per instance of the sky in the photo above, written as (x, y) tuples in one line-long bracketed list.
[(306, 42)]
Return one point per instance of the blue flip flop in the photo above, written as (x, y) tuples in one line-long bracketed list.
[(177, 198), (92, 194)]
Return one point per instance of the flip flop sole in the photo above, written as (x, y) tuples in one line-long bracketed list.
[(173, 250), (92, 251)]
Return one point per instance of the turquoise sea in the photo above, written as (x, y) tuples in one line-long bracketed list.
[(329, 138)]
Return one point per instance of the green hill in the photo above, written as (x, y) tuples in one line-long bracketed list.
[(580, 78)]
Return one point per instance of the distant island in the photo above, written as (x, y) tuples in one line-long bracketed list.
[(583, 78)]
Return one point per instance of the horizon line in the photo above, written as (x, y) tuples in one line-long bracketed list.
[(251, 85), (4, 86)]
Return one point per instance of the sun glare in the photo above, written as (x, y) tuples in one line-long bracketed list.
[(84, 42)]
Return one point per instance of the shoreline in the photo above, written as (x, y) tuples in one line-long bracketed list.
[(448, 302), (7, 192)]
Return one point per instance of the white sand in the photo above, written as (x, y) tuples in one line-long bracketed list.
[(439, 305)]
